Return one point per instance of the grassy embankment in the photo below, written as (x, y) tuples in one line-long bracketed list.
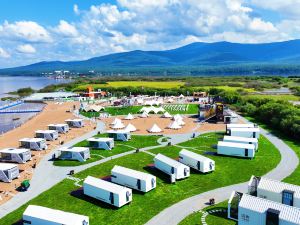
[(144, 206)]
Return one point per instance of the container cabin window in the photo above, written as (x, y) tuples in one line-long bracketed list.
[(287, 198)]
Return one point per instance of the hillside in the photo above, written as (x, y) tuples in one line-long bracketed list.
[(199, 55)]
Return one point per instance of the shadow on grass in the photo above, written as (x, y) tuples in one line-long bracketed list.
[(19, 222), (80, 195), (161, 175)]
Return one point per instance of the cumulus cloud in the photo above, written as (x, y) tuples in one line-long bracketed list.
[(27, 49), (66, 29), (4, 54), (24, 31), (152, 25)]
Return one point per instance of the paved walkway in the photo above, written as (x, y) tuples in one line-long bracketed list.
[(177, 212), (46, 175)]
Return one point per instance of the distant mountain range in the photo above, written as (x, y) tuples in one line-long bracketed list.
[(196, 55)]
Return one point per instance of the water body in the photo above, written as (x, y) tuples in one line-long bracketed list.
[(9, 83)]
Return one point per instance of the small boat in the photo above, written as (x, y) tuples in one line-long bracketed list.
[(17, 118)]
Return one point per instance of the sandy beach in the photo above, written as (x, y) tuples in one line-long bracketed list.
[(52, 113)]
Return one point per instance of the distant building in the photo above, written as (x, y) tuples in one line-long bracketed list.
[(90, 93)]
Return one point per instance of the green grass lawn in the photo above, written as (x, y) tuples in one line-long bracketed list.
[(145, 206), (294, 178), (117, 111), (137, 141), (192, 109), (217, 218)]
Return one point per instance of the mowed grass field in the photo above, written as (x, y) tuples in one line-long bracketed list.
[(144, 206), (275, 97), (213, 218), (149, 84), (137, 141), (119, 111)]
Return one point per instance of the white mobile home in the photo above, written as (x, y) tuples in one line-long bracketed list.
[(60, 128), (196, 161), (80, 154), (38, 215), (250, 210), (239, 125), (18, 155), (276, 191), (101, 143), (236, 149), (244, 140), (244, 132), (133, 179), (76, 123), (171, 167), (48, 135), (8, 172), (119, 135), (108, 192), (33, 143)]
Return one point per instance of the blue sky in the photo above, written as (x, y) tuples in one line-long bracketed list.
[(36, 30)]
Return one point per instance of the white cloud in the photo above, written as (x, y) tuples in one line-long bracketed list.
[(151, 25), (24, 31), (27, 49), (4, 54), (76, 9), (288, 8), (66, 29)]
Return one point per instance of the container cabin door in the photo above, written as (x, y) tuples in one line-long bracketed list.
[(198, 165), (139, 184), (111, 198), (246, 152)]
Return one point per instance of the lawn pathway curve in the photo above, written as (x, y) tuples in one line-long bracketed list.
[(177, 212)]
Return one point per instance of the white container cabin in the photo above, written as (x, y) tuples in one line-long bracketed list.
[(60, 128), (244, 132), (250, 210), (8, 172), (171, 167), (239, 125), (80, 154), (106, 191), (38, 144), (244, 140), (101, 143), (196, 161), (274, 190), (76, 123), (119, 135), (133, 179), (236, 149), (17, 155), (38, 215), (48, 135)]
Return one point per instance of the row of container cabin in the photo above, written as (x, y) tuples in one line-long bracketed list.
[(181, 169), (266, 199), (119, 193)]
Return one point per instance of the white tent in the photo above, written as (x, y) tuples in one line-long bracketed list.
[(181, 96), (129, 117), (180, 122), (144, 109), (158, 110), (155, 129), (170, 100), (177, 117), (167, 115), (93, 108), (130, 128), (116, 120), (174, 125), (144, 115), (118, 125)]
